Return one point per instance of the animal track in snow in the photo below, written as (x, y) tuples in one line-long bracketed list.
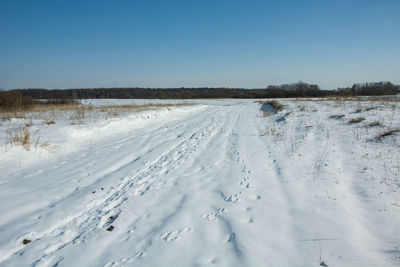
[(110, 219), (140, 254), (173, 235), (245, 182), (213, 216), (234, 198)]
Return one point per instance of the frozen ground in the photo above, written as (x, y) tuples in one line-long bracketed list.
[(214, 184)]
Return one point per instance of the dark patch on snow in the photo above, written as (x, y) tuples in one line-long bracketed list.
[(267, 107)]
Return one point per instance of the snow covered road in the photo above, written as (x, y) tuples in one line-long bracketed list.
[(220, 185)]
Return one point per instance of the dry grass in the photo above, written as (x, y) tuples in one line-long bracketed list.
[(357, 120), (20, 136), (387, 133), (14, 101), (77, 112), (49, 122), (336, 117), (374, 124), (351, 98), (370, 108), (266, 113)]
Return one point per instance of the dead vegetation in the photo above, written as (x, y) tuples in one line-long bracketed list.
[(19, 121), (14, 101), (391, 98), (26, 241), (20, 136), (337, 117), (357, 120), (387, 133), (374, 124), (76, 112), (26, 137), (49, 122), (15, 105)]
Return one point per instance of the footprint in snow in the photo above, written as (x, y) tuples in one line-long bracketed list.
[(140, 254), (173, 235), (213, 216), (245, 184), (234, 198), (107, 221)]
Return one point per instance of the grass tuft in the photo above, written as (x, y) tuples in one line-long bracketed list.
[(387, 133), (49, 122), (357, 120), (374, 124), (337, 117)]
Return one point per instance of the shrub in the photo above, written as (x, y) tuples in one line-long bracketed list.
[(14, 101)]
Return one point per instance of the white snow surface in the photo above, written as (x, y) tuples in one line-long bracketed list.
[(213, 184)]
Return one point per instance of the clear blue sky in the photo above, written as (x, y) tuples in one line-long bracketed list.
[(71, 44)]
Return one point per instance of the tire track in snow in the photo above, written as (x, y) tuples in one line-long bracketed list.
[(87, 222), (241, 177), (149, 236)]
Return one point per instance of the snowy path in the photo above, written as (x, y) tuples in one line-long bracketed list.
[(206, 189)]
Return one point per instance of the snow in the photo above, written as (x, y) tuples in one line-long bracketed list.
[(214, 183)]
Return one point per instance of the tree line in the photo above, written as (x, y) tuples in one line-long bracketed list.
[(299, 89)]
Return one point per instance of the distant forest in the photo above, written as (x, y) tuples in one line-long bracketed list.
[(299, 89)]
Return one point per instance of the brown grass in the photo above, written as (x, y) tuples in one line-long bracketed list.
[(14, 101), (370, 108), (387, 133), (351, 98), (337, 117), (374, 124), (21, 136), (26, 139), (49, 122), (76, 111), (357, 120)]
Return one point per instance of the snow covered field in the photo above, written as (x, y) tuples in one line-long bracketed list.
[(211, 184)]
